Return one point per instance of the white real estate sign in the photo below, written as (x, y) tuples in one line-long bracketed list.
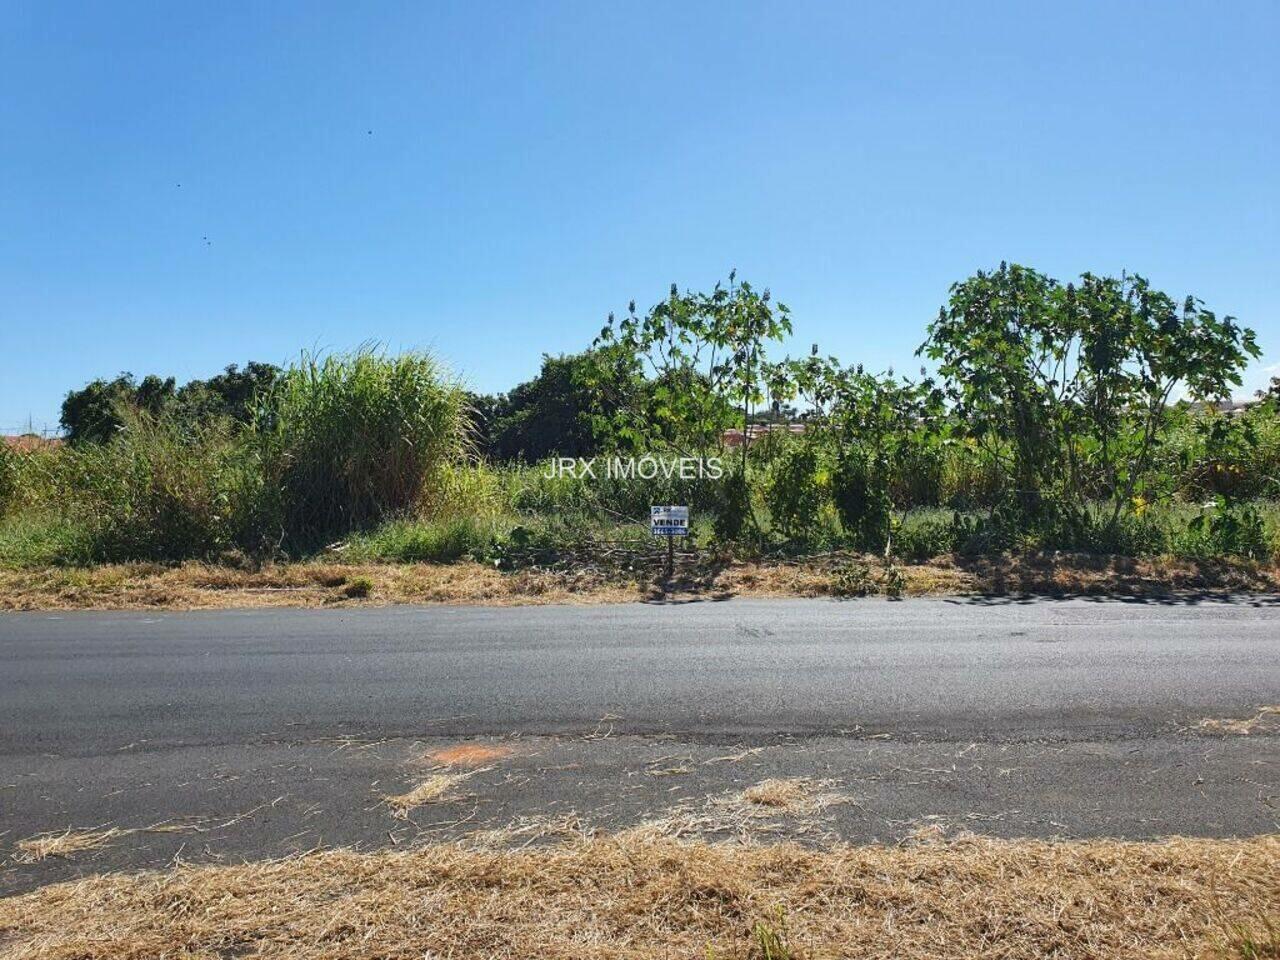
[(669, 521)]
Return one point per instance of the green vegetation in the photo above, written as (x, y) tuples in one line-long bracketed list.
[(348, 440), (1075, 417), (98, 410)]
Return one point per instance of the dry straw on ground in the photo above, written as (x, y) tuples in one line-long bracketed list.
[(792, 807), (1267, 719), (65, 844), (638, 899), (435, 789)]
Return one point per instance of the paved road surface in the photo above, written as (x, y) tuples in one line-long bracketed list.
[(266, 731)]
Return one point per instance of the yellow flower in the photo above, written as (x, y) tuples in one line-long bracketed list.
[(1140, 505)]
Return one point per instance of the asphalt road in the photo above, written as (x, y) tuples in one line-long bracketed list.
[(281, 729)]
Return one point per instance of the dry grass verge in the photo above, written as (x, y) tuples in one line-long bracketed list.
[(619, 897), (317, 584)]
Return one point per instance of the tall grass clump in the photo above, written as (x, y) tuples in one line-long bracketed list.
[(349, 439), (155, 491), (8, 477), (475, 490)]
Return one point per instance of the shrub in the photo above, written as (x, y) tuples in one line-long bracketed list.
[(923, 536), (359, 588), (969, 481), (43, 538), (732, 505), (1095, 528), (918, 476), (793, 492), (1225, 528), (349, 439), (852, 579), (861, 494), (464, 489)]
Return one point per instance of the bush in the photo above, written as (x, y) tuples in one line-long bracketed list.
[(732, 505), (918, 476), (794, 493), (860, 490), (359, 588), (43, 539), (923, 536), (464, 489), (1225, 528), (350, 439), (1097, 528)]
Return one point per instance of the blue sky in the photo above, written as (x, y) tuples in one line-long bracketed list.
[(186, 185)]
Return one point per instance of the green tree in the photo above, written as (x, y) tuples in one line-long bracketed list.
[(232, 394), (97, 412), (881, 426), (704, 355), (998, 343), (703, 358), (1136, 348), (555, 413), (1067, 389)]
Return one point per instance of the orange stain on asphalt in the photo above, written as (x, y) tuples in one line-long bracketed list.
[(469, 755)]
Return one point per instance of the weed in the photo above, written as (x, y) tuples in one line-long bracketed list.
[(771, 938), (359, 587), (895, 579), (1248, 943), (852, 579)]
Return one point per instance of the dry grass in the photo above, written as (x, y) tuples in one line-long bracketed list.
[(45, 845), (527, 830), (1267, 719), (316, 584), (198, 586), (798, 795), (437, 788), (633, 899), (792, 807)]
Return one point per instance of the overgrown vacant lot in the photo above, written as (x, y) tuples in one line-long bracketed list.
[(1049, 425), (637, 897)]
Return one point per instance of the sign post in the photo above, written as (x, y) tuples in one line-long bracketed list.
[(669, 522)]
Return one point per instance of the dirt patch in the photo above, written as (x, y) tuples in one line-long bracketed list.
[(614, 897), (319, 584)]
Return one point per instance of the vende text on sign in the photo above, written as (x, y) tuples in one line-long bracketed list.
[(669, 521)]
